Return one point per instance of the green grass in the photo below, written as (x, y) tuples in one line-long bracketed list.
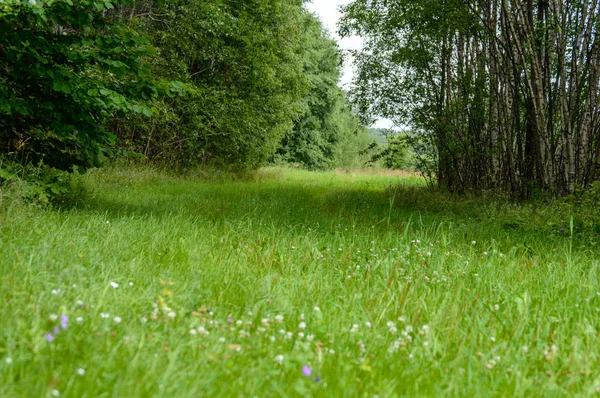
[(464, 297)]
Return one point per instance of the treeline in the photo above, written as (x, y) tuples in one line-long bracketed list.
[(506, 92), (223, 83)]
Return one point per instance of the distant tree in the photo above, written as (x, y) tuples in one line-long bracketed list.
[(325, 121)]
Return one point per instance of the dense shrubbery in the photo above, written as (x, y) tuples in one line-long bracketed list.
[(66, 68), (250, 78)]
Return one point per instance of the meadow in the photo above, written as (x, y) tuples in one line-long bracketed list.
[(289, 283)]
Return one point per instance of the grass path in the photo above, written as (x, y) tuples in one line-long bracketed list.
[(292, 284)]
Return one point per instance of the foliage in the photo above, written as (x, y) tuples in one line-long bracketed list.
[(39, 185), (325, 121), (65, 68), (241, 62), (396, 153), (505, 92)]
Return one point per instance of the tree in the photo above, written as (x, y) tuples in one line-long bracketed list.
[(319, 130), (241, 63), (65, 68), (506, 90)]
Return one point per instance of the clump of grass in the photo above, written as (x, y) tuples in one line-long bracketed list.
[(292, 283)]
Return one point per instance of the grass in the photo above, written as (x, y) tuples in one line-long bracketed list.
[(375, 285)]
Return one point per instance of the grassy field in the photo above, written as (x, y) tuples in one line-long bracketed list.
[(292, 283)]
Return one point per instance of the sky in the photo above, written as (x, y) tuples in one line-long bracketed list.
[(328, 12)]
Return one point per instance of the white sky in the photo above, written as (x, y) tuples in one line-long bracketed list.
[(328, 12)]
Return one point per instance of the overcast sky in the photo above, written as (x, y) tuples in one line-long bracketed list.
[(328, 12)]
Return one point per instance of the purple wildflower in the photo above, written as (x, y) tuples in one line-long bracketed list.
[(317, 379), (50, 337), (64, 321), (306, 371), (56, 330)]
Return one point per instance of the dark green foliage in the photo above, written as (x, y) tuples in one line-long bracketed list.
[(66, 67)]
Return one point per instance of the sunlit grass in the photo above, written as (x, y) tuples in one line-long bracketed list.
[(289, 283)]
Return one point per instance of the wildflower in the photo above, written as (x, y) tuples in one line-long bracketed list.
[(525, 349), (354, 328), (473, 243), (104, 315), (289, 335), (302, 325), (79, 319), (496, 307), (193, 331), (117, 319), (221, 339), (55, 393), (301, 317), (316, 309), (81, 371), (130, 284), (55, 291), (402, 319), (79, 303), (114, 285), (56, 330), (49, 337), (53, 317), (64, 319), (369, 324), (265, 321), (300, 335), (310, 337), (8, 360), (306, 371), (239, 323), (279, 359), (202, 330), (392, 327), (171, 314), (279, 318)]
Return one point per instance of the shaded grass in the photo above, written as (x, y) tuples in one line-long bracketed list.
[(447, 316)]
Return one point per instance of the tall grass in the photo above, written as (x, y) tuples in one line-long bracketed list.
[(289, 283)]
